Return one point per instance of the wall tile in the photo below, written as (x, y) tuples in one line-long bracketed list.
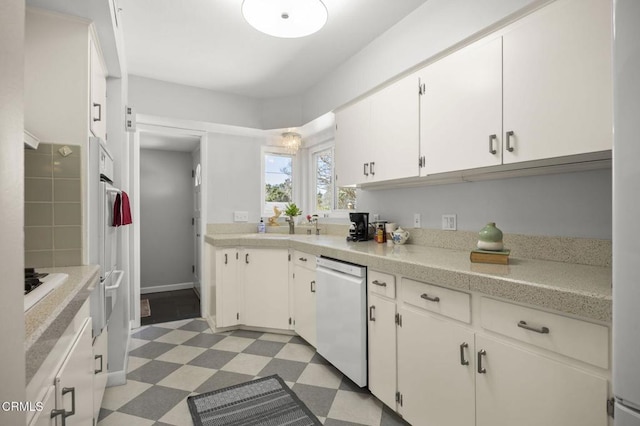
[(38, 259), (38, 166), (43, 149), (67, 214), (67, 237), (66, 167), (38, 238), (67, 190), (67, 257), (38, 189), (38, 214)]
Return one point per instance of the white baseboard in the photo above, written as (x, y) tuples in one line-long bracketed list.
[(166, 287)]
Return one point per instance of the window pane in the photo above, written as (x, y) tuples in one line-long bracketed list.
[(277, 177), (324, 180), (346, 199)]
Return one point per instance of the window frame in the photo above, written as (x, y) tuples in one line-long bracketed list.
[(295, 183), (312, 175)]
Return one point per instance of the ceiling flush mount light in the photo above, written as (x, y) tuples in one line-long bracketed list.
[(285, 18), (291, 141)]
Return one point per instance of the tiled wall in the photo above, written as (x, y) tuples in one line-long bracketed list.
[(53, 209)]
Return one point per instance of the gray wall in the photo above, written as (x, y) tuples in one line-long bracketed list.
[(233, 176), (12, 370), (570, 204), (166, 209)]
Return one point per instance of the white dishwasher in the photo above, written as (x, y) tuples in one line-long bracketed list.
[(341, 302)]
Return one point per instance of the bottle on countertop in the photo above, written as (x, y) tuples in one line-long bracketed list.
[(261, 227)]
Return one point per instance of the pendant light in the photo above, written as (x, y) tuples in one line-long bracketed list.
[(285, 18)]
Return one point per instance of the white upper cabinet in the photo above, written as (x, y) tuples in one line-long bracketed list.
[(557, 82), (461, 110), (98, 95), (394, 149), (353, 143)]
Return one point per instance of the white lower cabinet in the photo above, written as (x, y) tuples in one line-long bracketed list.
[(520, 387), (252, 287), (382, 350), (74, 382), (266, 288), (304, 306), (100, 360), (435, 370)]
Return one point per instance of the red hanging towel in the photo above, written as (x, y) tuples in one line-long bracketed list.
[(126, 210), (117, 212)]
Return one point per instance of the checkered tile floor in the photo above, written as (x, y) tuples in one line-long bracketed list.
[(170, 361)]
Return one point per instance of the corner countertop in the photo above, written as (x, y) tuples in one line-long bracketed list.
[(580, 290), (48, 319)]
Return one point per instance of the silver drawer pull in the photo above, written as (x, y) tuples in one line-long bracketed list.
[(541, 330), (380, 283), (425, 296), (303, 259)]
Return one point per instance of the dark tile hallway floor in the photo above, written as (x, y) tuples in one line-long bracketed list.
[(170, 306), (170, 361)]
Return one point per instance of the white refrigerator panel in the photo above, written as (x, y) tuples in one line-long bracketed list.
[(626, 207)]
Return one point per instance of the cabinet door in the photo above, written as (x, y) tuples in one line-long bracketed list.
[(395, 138), (74, 381), (266, 288), (100, 360), (227, 288), (461, 109), (525, 389), (558, 82), (43, 417), (304, 304), (436, 384), (382, 349), (98, 95), (353, 144)]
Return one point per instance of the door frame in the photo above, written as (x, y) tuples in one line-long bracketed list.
[(170, 127)]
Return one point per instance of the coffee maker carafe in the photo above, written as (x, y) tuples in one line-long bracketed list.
[(359, 229)]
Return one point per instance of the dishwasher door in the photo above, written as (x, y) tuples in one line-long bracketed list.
[(341, 303)]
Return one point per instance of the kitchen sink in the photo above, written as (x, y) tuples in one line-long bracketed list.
[(49, 283)]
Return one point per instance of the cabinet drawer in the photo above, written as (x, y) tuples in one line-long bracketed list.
[(380, 283), (303, 259), (450, 303), (567, 336)]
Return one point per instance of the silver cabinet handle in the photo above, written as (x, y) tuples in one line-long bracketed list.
[(101, 366), (246, 258), (366, 169), (541, 330), (303, 259), (312, 286), (99, 112), (463, 346), (481, 369), (492, 148), (425, 296), (380, 283), (60, 412), (509, 134), (372, 308), (371, 169), (225, 258)]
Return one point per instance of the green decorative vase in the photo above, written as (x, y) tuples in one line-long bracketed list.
[(490, 238)]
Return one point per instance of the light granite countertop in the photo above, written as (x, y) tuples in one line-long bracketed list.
[(581, 290), (47, 320)]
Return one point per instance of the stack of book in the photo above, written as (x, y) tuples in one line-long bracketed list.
[(487, 256)]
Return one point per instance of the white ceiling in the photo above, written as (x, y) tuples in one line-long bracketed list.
[(208, 44)]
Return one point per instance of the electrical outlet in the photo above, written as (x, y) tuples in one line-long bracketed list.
[(449, 222), (376, 217), (416, 220), (240, 216)]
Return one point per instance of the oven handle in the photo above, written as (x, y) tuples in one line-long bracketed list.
[(118, 281)]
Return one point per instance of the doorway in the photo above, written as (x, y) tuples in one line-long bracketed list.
[(169, 200)]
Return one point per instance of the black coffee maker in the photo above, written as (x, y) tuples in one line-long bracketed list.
[(359, 229)]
